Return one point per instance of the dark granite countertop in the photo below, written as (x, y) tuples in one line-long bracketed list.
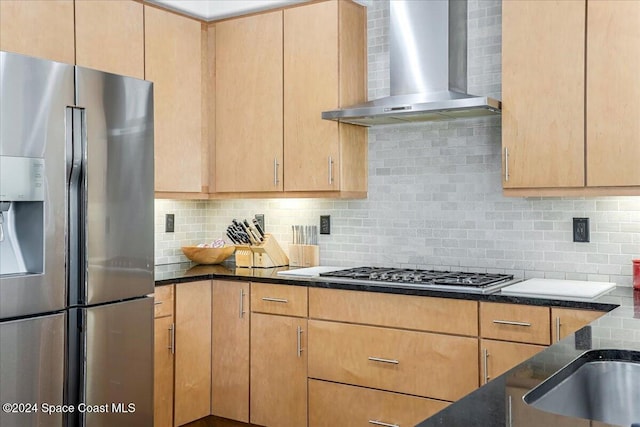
[(487, 406)]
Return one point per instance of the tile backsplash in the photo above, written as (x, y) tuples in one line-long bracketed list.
[(435, 195)]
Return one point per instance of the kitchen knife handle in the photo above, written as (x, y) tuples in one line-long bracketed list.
[(299, 337), (172, 338), (274, 299), (381, 423), (241, 303), (558, 329), (485, 364), (512, 323), (506, 164), (380, 359), (275, 171), (330, 170)]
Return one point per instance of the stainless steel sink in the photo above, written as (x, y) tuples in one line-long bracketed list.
[(601, 385)]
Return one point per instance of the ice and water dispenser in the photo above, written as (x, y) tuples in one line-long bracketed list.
[(21, 215)]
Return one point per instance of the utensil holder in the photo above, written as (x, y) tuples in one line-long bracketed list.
[(304, 255), (265, 255)]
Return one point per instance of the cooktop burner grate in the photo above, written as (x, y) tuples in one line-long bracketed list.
[(419, 277)]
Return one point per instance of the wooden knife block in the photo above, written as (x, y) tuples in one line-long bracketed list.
[(304, 255), (265, 255)]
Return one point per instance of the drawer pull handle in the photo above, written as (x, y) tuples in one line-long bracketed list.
[(511, 322), (274, 299), (380, 423), (157, 302), (379, 359)]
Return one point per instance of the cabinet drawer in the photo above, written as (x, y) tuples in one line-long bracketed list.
[(399, 311), (515, 322), (419, 363), (332, 404), (279, 299), (163, 301)]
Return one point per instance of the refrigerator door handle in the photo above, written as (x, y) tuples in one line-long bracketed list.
[(76, 199)]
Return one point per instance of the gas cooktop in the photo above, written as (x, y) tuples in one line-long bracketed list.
[(422, 279)]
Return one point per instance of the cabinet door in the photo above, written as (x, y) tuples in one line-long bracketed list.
[(311, 145), (163, 372), (249, 104), (193, 352), (40, 28), (497, 357), (230, 350), (173, 62), (543, 93), (278, 371), (613, 90), (110, 36), (566, 321)]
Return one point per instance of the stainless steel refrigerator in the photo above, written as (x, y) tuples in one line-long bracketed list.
[(76, 246)]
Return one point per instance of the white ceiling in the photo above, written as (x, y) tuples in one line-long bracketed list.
[(211, 10)]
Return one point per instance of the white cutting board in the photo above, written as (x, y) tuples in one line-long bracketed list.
[(308, 271), (552, 288)]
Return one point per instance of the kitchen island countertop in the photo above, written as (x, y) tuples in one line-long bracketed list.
[(488, 405)]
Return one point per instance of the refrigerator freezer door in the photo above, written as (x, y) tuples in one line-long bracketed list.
[(32, 367), (118, 210), (118, 372), (33, 97)]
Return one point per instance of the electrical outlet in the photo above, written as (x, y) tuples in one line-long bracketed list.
[(325, 224), (260, 219), (169, 223), (580, 229)]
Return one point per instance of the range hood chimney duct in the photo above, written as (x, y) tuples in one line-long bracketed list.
[(428, 68)]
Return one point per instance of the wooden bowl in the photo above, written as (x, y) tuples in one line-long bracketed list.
[(208, 255)]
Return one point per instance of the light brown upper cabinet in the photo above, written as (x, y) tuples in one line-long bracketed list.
[(110, 36), (570, 120), (174, 62), (543, 93), (275, 74), (249, 104), (40, 28), (324, 68), (613, 91)]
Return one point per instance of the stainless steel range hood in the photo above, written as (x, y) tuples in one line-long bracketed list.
[(428, 58)]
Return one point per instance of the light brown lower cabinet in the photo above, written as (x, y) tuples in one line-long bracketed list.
[(230, 350), (193, 352), (497, 357), (278, 370), (332, 404), (565, 321), (163, 357), (419, 363), (519, 414)]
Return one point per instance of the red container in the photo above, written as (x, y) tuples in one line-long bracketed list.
[(636, 274)]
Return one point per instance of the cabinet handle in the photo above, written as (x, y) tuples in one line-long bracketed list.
[(275, 171), (512, 323), (274, 299), (557, 329), (172, 338), (380, 423), (157, 302), (241, 303), (379, 359), (506, 163), (299, 336), (509, 413), (485, 364), (330, 170)]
